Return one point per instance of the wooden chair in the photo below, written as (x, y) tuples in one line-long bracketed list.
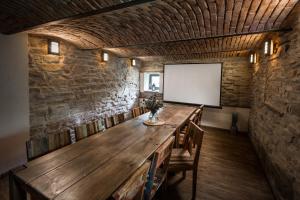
[(128, 115), (53, 141), (58, 140), (159, 168), (136, 112), (119, 118), (65, 138), (200, 115), (109, 122), (183, 132), (187, 159), (81, 132), (91, 129), (36, 147), (99, 125), (133, 189)]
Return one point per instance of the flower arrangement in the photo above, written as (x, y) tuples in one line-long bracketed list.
[(153, 104)]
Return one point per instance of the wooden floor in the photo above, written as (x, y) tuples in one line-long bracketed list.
[(228, 170)]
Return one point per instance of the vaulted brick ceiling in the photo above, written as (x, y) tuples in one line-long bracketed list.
[(158, 28)]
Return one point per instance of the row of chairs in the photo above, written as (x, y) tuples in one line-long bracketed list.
[(166, 159), (40, 146), (196, 118), (139, 111)]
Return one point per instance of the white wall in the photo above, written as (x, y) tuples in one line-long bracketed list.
[(14, 101), (221, 118)]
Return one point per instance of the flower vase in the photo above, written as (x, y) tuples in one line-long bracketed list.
[(153, 117)]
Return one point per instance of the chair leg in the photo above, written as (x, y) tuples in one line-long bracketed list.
[(183, 174), (194, 183)]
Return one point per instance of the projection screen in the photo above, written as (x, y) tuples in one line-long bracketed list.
[(193, 83)]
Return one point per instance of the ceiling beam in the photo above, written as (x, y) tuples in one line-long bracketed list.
[(195, 53), (86, 14), (202, 38)]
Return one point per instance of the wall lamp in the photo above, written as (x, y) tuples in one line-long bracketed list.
[(253, 58), (105, 56), (133, 62), (270, 47)]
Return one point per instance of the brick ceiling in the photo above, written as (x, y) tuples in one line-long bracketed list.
[(151, 29)]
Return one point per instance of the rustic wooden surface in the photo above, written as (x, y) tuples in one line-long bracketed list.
[(228, 169), (95, 167)]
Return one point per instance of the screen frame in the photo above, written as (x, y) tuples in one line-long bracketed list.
[(192, 104)]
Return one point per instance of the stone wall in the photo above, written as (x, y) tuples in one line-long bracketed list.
[(275, 113), (236, 78), (76, 87)]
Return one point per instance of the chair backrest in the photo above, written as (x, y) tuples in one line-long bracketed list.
[(136, 112), (53, 141), (65, 138), (128, 115), (200, 115), (142, 110), (99, 125), (58, 140), (36, 147), (109, 122), (119, 118), (194, 138), (160, 161), (91, 128), (81, 132), (133, 188)]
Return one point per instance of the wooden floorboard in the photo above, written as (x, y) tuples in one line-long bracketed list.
[(228, 170)]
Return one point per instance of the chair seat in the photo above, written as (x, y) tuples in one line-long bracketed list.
[(181, 139), (181, 160)]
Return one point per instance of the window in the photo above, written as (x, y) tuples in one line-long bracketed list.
[(152, 81), (53, 47)]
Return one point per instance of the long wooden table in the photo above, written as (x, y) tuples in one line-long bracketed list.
[(95, 167)]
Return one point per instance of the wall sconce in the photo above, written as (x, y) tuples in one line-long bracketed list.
[(105, 56), (53, 47), (269, 47), (253, 58), (133, 62)]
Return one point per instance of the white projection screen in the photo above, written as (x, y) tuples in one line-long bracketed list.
[(193, 83)]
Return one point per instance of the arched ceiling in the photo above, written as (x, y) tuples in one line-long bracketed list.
[(151, 28)]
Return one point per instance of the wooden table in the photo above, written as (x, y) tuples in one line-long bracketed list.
[(95, 167)]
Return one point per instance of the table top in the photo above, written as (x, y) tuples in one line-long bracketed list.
[(93, 168)]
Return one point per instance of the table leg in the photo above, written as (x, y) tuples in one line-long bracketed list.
[(177, 138), (16, 192)]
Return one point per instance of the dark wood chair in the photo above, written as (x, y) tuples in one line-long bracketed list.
[(91, 129), (53, 141), (136, 112), (59, 140), (65, 138), (133, 188), (159, 168), (99, 125), (184, 130), (81, 132), (187, 158), (119, 118), (109, 122), (36, 147)]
